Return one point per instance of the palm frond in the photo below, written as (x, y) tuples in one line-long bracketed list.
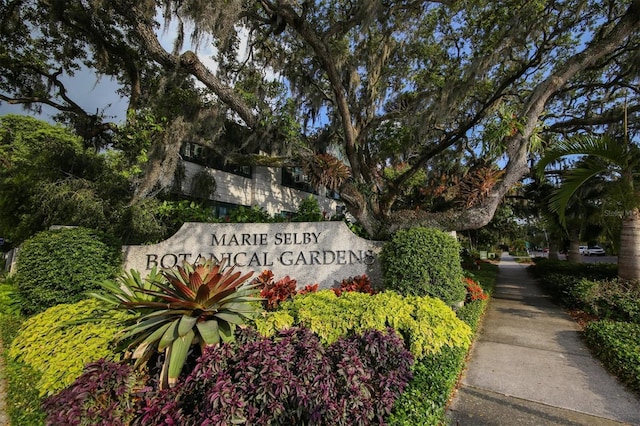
[(605, 148), (573, 180)]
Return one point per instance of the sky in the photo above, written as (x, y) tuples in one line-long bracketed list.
[(89, 92), (94, 94)]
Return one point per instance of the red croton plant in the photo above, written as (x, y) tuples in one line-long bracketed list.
[(474, 291), (276, 292)]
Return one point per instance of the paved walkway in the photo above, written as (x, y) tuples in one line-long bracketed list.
[(528, 366)]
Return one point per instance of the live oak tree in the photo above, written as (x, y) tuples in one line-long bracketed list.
[(416, 112)]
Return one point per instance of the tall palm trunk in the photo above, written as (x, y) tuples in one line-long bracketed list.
[(574, 255), (553, 249), (628, 259)]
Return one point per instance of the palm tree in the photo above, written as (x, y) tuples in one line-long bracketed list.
[(617, 162), (578, 216)]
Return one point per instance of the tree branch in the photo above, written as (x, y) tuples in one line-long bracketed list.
[(480, 215), (611, 116), (303, 28), (190, 62)]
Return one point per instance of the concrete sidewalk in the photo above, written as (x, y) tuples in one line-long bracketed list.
[(528, 366)]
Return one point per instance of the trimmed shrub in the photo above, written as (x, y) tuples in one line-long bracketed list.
[(425, 400), (561, 279), (590, 287), (290, 379), (58, 342), (60, 266), (423, 262), (614, 299), (617, 345), (425, 323)]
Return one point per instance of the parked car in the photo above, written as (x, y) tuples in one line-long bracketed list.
[(582, 249), (595, 251)]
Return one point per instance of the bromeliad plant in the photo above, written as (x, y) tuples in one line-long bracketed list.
[(200, 303)]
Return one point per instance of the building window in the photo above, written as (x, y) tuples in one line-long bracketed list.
[(205, 156), (222, 210), (294, 177), (333, 194), (286, 215)]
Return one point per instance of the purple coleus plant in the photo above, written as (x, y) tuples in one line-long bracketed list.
[(290, 379)]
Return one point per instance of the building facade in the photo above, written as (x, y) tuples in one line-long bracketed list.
[(278, 191)]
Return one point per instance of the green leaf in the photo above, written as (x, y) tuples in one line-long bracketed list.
[(186, 324), (209, 332), (179, 351), (145, 325), (230, 317), (574, 179), (169, 336), (226, 331)]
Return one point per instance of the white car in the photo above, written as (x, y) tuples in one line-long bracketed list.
[(595, 251), (582, 249)]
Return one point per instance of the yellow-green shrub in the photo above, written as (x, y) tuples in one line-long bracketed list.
[(426, 324), (272, 321), (58, 350)]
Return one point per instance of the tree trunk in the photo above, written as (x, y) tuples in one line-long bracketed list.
[(574, 255), (553, 249), (628, 259)]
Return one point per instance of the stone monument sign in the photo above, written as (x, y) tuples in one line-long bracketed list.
[(309, 252)]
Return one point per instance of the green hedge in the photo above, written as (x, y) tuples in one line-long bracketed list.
[(425, 400), (60, 266), (561, 278), (423, 262), (614, 299), (617, 345), (426, 324)]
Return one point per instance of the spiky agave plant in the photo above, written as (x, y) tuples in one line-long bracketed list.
[(199, 303)]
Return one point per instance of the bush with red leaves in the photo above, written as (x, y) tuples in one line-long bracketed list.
[(360, 283)]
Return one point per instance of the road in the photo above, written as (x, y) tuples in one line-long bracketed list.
[(585, 259), (600, 259)]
